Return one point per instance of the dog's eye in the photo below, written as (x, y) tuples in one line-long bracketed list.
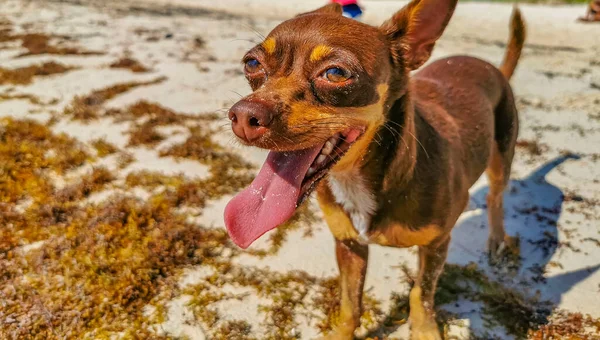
[(252, 66), (336, 75)]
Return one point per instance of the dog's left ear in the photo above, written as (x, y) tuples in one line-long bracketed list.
[(332, 8), (414, 29)]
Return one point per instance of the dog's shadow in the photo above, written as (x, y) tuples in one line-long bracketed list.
[(532, 209)]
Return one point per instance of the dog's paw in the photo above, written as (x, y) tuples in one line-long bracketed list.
[(426, 331), (504, 249)]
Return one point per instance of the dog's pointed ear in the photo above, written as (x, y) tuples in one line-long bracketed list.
[(332, 8), (414, 29)]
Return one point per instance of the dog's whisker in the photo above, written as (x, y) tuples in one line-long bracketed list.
[(271, 141), (236, 93), (260, 35), (221, 110), (395, 134), (253, 42), (282, 136), (380, 138), (415, 137), (404, 141), (418, 141)]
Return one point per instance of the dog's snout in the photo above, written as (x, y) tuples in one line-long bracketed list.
[(250, 119)]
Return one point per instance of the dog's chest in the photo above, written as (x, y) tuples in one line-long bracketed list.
[(356, 197)]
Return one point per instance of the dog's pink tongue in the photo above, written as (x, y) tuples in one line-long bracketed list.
[(271, 198)]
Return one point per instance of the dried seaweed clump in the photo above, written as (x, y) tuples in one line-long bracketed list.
[(151, 180), (104, 148), (24, 75), (200, 146), (29, 156), (95, 181), (125, 159), (28, 150), (152, 111), (534, 148), (183, 191), (39, 43), (33, 209), (130, 64), (234, 330), (22, 96), (564, 325), (146, 117), (502, 306), (145, 134), (86, 108)]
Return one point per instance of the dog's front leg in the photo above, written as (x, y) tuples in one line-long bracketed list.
[(422, 313), (352, 262)]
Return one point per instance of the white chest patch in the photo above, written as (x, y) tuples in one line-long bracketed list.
[(354, 195)]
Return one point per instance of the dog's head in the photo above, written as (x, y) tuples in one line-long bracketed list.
[(322, 86)]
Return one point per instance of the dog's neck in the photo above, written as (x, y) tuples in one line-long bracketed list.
[(394, 147), (388, 162), (390, 157)]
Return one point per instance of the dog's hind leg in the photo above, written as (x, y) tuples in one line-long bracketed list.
[(422, 314), (498, 172)]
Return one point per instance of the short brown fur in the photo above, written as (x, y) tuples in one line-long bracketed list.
[(426, 138)]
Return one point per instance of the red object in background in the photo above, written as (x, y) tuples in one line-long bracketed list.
[(345, 2)]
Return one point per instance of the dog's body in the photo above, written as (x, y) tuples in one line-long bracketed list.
[(410, 149)]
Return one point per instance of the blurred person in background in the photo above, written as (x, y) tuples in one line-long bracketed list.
[(350, 8)]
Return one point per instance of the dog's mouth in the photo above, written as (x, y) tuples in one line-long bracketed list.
[(286, 179), (331, 152)]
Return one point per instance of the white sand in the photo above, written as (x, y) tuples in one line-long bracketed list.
[(565, 100)]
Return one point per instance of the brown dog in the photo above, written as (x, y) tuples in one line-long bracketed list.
[(392, 157), (593, 13)]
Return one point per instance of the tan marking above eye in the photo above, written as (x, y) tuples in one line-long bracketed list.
[(320, 52), (269, 45)]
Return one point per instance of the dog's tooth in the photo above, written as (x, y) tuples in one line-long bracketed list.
[(310, 172), (327, 148), (321, 159)]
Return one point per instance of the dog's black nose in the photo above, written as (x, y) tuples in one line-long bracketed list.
[(250, 119)]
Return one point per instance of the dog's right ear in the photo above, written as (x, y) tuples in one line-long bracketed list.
[(332, 8), (414, 29)]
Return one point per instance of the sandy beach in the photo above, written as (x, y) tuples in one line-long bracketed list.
[(117, 160)]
